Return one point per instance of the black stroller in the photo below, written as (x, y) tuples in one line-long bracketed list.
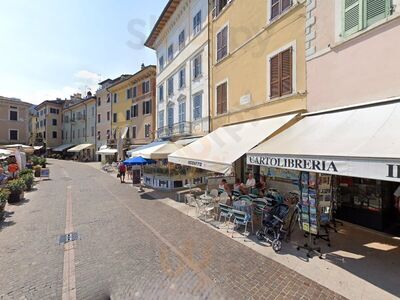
[(273, 230)]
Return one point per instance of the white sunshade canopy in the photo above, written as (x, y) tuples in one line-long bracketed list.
[(63, 147), (362, 142), (107, 151), (155, 150), (80, 147), (218, 150), (5, 152)]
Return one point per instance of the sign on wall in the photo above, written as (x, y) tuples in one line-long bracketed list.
[(363, 168)]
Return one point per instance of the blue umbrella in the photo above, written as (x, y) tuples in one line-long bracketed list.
[(138, 161)]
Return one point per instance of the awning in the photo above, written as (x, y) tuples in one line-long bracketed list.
[(218, 150), (155, 150), (37, 147), (107, 151), (80, 147), (185, 142), (362, 142), (63, 147)]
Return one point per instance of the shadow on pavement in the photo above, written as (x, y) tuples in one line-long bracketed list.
[(3, 219)]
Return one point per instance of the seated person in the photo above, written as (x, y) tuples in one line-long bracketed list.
[(223, 187), (250, 182), (237, 185), (3, 177)]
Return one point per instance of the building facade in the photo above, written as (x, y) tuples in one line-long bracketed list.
[(33, 127), (79, 123), (257, 59), (133, 101), (352, 52), (180, 38), (49, 123), (14, 121)]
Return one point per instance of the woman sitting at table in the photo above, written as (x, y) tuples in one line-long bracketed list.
[(237, 185), (223, 187)]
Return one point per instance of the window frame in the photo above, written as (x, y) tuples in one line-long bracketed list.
[(225, 81), (182, 83), (194, 106), (170, 53), (145, 87), (197, 27), (147, 127), (9, 134), (161, 93), (115, 117), (182, 40), (147, 108), (281, 12), (199, 56), (134, 130), (170, 83), (13, 110), (161, 114), (227, 43)]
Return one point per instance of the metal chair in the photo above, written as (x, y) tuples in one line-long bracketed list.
[(245, 198), (223, 198), (203, 209), (214, 193), (236, 194), (225, 211), (190, 201), (241, 219), (259, 208)]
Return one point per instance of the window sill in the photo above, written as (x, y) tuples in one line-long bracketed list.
[(224, 9), (271, 22), (198, 77), (221, 115), (345, 39), (221, 60), (284, 97)]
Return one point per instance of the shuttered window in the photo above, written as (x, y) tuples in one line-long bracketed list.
[(279, 6), (222, 98), (359, 14), (222, 43), (281, 78)]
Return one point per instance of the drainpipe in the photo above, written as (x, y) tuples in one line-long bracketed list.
[(209, 27)]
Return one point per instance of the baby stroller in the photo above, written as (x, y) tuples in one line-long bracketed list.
[(273, 224)]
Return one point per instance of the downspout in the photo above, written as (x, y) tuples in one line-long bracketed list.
[(209, 27)]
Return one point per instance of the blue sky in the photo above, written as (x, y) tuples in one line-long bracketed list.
[(53, 48)]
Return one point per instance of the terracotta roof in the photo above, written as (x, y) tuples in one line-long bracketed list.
[(162, 20)]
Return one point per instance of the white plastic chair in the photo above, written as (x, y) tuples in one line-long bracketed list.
[(203, 209)]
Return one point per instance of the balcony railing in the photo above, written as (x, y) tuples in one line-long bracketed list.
[(177, 129)]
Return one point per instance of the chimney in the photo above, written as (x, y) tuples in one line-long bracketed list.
[(143, 66), (89, 94)]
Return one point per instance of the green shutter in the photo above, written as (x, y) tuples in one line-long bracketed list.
[(352, 16), (376, 10)]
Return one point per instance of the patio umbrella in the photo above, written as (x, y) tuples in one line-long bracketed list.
[(139, 161)]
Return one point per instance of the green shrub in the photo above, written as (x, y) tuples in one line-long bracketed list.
[(4, 193), (35, 160), (16, 186), (25, 171), (28, 180)]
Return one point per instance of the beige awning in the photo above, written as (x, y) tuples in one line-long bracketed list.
[(218, 150), (359, 142), (80, 147), (155, 150), (107, 151), (63, 147)]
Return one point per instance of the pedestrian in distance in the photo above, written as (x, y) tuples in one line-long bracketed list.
[(122, 171)]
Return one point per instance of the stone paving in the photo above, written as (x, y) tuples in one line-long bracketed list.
[(130, 248)]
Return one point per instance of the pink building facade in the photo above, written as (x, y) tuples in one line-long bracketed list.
[(352, 51)]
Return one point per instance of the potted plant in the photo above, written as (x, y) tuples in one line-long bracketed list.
[(28, 180), (35, 160), (4, 193), (25, 171), (37, 170), (16, 188), (42, 162)]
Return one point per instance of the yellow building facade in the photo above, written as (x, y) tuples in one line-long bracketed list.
[(257, 60), (132, 105)]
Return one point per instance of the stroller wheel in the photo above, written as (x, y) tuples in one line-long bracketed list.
[(277, 245), (260, 235)]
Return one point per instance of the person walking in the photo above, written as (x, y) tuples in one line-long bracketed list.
[(122, 171)]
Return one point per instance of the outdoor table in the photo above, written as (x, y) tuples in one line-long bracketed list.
[(206, 198)]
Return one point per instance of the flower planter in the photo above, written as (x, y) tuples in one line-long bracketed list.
[(14, 197), (37, 173), (2, 206)]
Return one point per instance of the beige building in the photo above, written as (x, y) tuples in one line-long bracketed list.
[(133, 101), (49, 123), (33, 127), (14, 120), (257, 60)]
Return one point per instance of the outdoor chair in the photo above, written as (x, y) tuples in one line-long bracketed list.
[(203, 209), (223, 198), (259, 206), (225, 211), (220, 191), (214, 193), (245, 198), (241, 219), (190, 201), (235, 195)]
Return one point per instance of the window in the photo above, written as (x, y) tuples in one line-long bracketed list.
[(281, 74), (222, 98), (13, 115), (44, 134), (127, 134), (99, 101), (161, 119), (108, 116), (128, 94), (98, 118), (161, 93), (161, 63), (93, 111), (222, 43), (66, 135), (134, 132), (197, 23), (359, 14), (146, 87), (128, 115), (108, 98), (115, 98), (134, 92), (79, 133), (219, 5), (147, 130), (54, 122), (147, 107), (182, 78), (170, 86), (134, 111), (182, 112), (115, 117), (73, 134), (197, 99), (44, 122), (13, 135), (53, 111), (98, 135), (181, 40), (62, 134), (197, 67), (92, 131), (280, 6), (170, 117), (55, 134), (170, 53)]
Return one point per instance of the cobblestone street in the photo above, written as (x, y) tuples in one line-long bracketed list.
[(128, 247)]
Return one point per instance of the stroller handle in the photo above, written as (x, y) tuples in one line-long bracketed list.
[(279, 219)]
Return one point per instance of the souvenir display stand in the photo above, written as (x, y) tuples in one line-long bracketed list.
[(316, 209)]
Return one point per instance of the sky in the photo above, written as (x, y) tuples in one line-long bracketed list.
[(53, 48)]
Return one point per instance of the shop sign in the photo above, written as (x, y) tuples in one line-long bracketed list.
[(363, 168), (45, 173)]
